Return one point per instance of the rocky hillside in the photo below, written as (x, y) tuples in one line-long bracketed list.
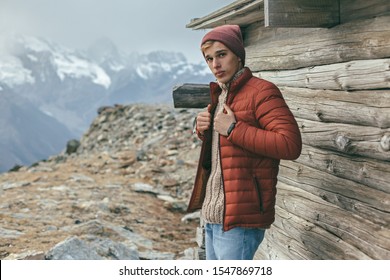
[(121, 195)]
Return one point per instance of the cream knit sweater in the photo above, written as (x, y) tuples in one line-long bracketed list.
[(212, 209)]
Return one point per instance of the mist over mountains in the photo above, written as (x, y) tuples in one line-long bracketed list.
[(49, 93)]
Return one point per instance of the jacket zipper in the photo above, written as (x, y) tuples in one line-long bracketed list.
[(258, 190), (223, 177), (223, 185)]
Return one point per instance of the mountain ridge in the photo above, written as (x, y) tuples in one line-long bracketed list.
[(70, 85)]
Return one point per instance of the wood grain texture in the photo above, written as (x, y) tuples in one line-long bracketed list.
[(353, 75), (364, 108), (301, 13), (292, 48)]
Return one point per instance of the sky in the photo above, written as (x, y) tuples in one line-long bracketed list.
[(134, 26)]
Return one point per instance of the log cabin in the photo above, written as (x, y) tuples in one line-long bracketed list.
[(331, 60)]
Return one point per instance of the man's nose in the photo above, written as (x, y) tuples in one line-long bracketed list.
[(216, 63)]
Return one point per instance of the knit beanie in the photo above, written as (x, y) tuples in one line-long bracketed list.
[(230, 36)]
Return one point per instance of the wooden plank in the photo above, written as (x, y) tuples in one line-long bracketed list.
[(367, 108), (284, 49), (369, 172), (352, 140), (370, 238), (257, 34), (280, 244), (242, 12), (281, 241), (191, 96), (359, 9), (348, 195), (294, 238), (353, 75), (301, 13)]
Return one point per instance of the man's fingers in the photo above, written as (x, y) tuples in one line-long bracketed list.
[(204, 118), (228, 110), (203, 121)]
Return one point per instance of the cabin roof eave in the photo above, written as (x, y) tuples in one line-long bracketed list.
[(241, 12), (273, 13)]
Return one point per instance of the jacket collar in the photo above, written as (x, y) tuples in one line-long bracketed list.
[(235, 86)]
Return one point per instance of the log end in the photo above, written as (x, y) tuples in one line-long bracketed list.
[(385, 142), (343, 143)]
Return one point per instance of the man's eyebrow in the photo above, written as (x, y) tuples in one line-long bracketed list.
[(216, 52)]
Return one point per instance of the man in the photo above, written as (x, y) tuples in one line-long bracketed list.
[(246, 130)]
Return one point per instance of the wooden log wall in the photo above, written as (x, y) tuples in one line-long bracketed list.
[(333, 202), (291, 48)]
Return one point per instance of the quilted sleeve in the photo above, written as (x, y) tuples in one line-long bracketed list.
[(277, 134)]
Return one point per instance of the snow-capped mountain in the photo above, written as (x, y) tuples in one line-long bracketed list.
[(69, 85)]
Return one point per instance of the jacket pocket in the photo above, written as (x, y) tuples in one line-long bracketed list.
[(259, 194)]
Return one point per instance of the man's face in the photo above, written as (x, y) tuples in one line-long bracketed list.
[(222, 62)]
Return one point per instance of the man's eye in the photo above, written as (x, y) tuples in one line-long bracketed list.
[(222, 54), (209, 59)]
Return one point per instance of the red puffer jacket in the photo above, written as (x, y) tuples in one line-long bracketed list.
[(265, 133)]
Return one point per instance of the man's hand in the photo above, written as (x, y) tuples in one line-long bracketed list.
[(203, 120), (222, 121)]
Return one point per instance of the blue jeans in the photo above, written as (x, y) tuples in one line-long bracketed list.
[(236, 244)]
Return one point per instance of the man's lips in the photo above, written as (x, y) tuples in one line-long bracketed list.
[(219, 73)]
